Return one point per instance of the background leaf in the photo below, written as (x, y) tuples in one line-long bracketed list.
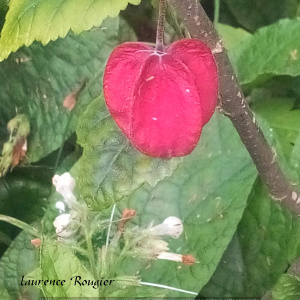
[(43, 20), (23, 195), (232, 36), (287, 288), (36, 80), (272, 50), (266, 242), (3, 11), (282, 117), (20, 259), (253, 14), (59, 263), (228, 279), (110, 168), (265, 245)]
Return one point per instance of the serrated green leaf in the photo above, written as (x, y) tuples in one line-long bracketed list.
[(110, 168), (59, 263), (208, 191), (20, 259), (253, 14), (37, 79), (272, 50), (287, 288), (43, 20)]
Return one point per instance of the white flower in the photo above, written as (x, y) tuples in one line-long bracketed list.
[(61, 223), (170, 256), (170, 226), (64, 185), (186, 259)]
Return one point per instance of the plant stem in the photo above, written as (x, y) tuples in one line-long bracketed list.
[(109, 227), (91, 253), (217, 13), (235, 107), (22, 225), (161, 26)]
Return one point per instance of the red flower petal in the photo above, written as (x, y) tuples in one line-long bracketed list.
[(161, 100)]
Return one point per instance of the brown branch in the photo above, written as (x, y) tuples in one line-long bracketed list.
[(235, 107)]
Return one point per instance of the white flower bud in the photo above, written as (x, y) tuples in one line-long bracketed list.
[(170, 226), (64, 185), (60, 206), (60, 223), (170, 256), (186, 259)]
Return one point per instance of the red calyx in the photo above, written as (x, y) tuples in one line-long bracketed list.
[(161, 100)]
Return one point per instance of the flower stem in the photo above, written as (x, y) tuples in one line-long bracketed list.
[(91, 253), (160, 26), (109, 227), (26, 227), (217, 13)]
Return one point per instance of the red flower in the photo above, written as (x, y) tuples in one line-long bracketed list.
[(161, 100)]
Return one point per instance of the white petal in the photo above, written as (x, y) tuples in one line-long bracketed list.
[(60, 206), (170, 256), (170, 226), (66, 180), (61, 222), (64, 185)]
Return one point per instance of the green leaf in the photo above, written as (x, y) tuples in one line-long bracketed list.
[(228, 279), (59, 263), (20, 259), (272, 50), (253, 14), (23, 196), (267, 236), (287, 288), (37, 79), (4, 293), (25, 191), (267, 242), (232, 36), (43, 20), (110, 168), (282, 118), (208, 191), (3, 11)]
